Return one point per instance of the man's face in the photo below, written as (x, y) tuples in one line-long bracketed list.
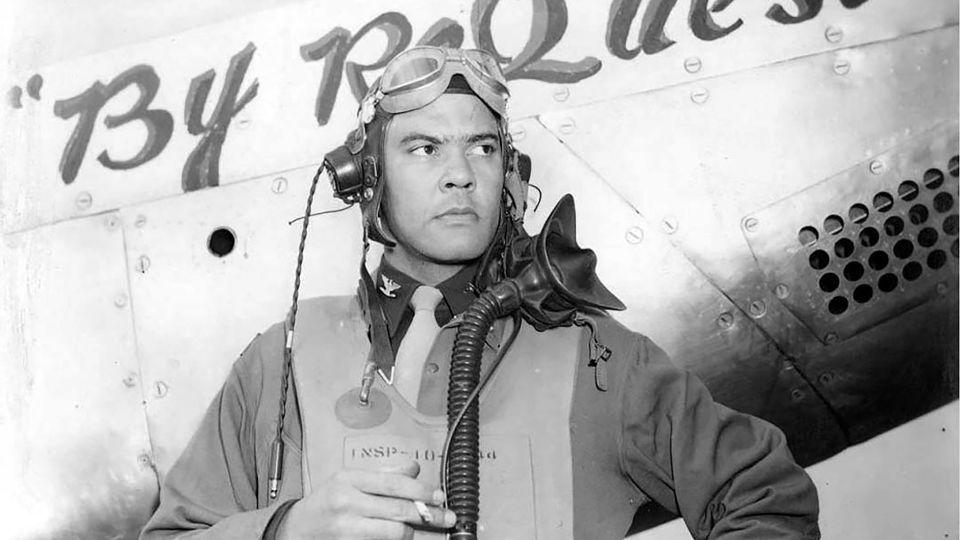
[(444, 176)]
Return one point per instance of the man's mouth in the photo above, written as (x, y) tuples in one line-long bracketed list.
[(458, 213)]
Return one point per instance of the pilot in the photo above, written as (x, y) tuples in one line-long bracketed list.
[(334, 423)]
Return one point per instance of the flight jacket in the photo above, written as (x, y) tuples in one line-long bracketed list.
[(640, 429)]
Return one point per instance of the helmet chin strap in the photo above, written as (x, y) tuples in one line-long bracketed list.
[(384, 227)]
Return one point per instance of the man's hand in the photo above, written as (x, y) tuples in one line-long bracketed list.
[(369, 505)]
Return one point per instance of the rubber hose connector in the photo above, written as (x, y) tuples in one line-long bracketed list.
[(463, 462)]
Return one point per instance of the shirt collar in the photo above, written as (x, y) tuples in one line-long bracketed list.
[(396, 288)]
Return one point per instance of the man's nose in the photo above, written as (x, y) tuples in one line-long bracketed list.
[(458, 173)]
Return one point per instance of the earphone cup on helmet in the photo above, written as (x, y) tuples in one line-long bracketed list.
[(346, 174)]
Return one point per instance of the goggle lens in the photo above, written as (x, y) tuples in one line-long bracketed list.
[(411, 67), (418, 66)]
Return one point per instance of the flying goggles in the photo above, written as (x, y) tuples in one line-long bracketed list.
[(417, 76)]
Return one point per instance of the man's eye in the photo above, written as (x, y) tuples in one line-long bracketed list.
[(424, 150), (483, 150)]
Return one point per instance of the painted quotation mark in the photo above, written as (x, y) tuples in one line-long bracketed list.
[(34, 84)]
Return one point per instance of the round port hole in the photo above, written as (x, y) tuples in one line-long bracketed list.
[(221, 242), (912, 270), (808, 236), (893, 226), (908, 190), (888, 282), (819, 259), (878, 260), (933, 178), (927, 237), (853, 271), (936, 259), (863, 293), (951, 225), (882, 201), (903, 249), (943, 202), (829, 282), (918, 214), (843, 248), (837, 305)]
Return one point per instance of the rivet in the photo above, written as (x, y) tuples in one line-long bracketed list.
[(876, 167), (634, 235), (942, 288), (750, 224), (160, 389), (518, 133), (758, 308), (825, 378), (796, 394), (561, 94), (725, 320), (567, 125), (144, 459), (111, 222), (692, 64), (699, 95), (831, 338), (841, 66), (84, 201), (368, 193), (140, 221), (279, 185), (834, 34), (142, 264), (130, 380), (670, 224), (120, 300), (782, 291)]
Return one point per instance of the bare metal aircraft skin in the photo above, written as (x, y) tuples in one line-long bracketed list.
[(772, 192)]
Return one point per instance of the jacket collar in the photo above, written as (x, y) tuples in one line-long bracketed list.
[(395, 289)]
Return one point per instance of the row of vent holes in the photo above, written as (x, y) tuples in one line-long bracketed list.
[(878, 261), (883, 202), (869, 237), (918, 214), (887, 282)]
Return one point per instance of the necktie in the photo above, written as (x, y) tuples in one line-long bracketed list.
[(416, 344)]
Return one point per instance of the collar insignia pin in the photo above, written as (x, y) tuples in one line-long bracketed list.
[(389, 287)]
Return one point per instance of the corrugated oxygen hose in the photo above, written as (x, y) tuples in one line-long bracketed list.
[(462, 471), (553, 278)]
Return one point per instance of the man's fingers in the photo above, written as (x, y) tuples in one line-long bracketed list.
[(412, 512), (395, 485)]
